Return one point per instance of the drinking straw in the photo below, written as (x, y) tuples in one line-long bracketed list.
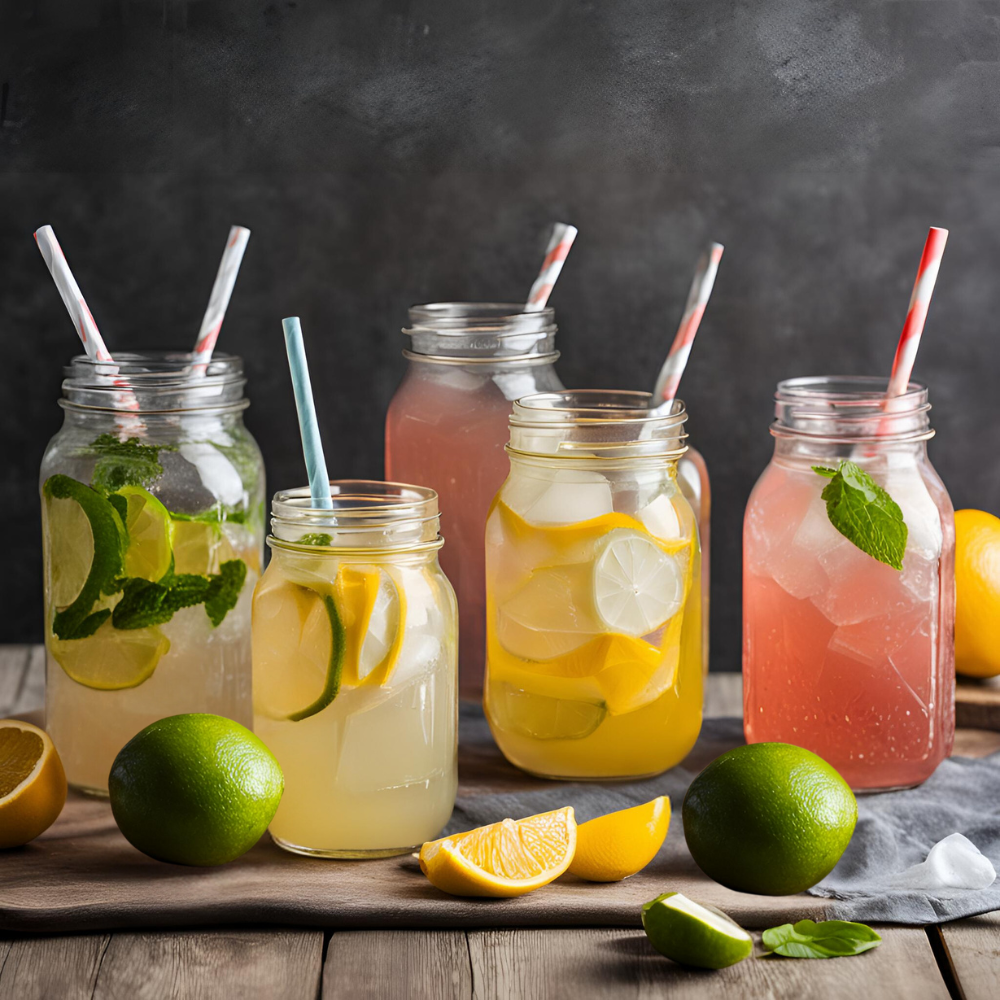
[(555, 256), (701, 288), (916, 316), (312, 446), (222, 290), (69, 290)]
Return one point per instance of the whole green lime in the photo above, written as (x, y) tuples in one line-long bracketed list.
[(194, 789), (769, 818)]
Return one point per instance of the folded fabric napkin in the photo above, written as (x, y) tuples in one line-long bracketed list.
[(895, 829)]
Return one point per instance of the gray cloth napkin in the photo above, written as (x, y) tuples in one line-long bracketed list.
[(895, 829)]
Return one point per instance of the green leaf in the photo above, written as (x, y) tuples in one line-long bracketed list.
[(224, 590), (145, 603), (822, 470), (315, 538), (110, 541), (123, 463), (864, 513), (828, 939)]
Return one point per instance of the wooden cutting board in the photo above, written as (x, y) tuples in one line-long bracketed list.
[(977, 703)]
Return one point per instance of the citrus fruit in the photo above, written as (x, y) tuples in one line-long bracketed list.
[(977, 593), (194, 789), (637, 586), (200, 546), (769, 818), (150, 534), (540, 716), (692, 934), (509, 858), (617, 845), (32, 782), (111, 659)]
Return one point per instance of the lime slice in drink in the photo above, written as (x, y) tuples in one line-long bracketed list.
[(150, 534), (540, 717), (692, 934), (70, 549), (111, 659), (637, 585)]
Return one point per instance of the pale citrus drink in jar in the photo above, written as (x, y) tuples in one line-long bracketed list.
[(845, 654), (594, 632), (152, 497), (354, 670)]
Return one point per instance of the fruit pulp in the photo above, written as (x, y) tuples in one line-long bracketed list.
[(370, 771), (594, 662), (186, 664), (844, 655)]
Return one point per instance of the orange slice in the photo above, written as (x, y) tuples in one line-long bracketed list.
[(32, 782), (617, 845), (509, 858)]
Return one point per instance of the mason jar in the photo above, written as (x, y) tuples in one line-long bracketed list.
[(843, 653), (593, 564), (152, 516), (355, 670)]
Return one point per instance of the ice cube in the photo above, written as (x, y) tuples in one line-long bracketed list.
[(923, 520), (660, 518), (952, 863), (796, 565), (920, 576), (860, 587), (571, 495), (876, 639), (218, 475)]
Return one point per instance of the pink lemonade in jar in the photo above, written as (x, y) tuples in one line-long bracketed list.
[(843, 654), (446, 428)]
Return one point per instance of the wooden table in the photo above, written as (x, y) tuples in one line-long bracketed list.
[(961, 959)]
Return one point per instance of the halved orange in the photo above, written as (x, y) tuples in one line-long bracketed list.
[(617, 845), (32, 782), (509, 858)]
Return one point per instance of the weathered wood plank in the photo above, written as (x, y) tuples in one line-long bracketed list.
[(43, 968), (596, 964), (972, 947), (205, 965), (418, 965), (14, 662), (977, 702)]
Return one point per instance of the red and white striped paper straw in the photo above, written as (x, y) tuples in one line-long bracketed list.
[(916, 316), (69, 290), (222, 291), (701, 289), (555, 256)]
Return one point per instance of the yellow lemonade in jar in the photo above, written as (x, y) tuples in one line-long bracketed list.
[(594, 633)]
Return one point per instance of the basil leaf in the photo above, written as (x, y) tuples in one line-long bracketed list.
[(864, 513), (828, 939)]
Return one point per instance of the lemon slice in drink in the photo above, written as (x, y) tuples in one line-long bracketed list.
[(150, 534), (637, 585), (200, 547), (111, 659), (70, 549), (383, 637)]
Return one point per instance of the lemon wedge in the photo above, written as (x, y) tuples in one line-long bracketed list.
[(150, 534), (504, 859), (618, 845)]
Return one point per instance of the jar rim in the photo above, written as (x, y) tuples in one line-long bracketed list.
[(501, 319)]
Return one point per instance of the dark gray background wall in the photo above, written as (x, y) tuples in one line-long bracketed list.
[(385, 153)]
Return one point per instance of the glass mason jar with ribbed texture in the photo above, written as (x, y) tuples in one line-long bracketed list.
[(152, 512), (355, 672), (593, 563)]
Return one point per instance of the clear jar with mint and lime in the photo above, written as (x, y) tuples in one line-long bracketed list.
[(152, 518)]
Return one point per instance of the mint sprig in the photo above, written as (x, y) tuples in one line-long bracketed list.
[(864, 513), (828, 939), (123, 463), (316, 538)]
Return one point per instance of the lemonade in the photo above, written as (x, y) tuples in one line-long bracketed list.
[(354, 665), (152, 545), (594, 634)]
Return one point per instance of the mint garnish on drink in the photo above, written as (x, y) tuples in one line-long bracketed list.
[(123, 463), (828, 939), (864, 513)]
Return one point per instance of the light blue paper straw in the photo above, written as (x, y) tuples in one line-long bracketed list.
[(312, 447)]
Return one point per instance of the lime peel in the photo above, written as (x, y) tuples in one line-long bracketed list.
[(691, 934)]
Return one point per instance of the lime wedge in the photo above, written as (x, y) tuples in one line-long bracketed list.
[(691, 934), (111, 659), (150, 534), (637, 586)]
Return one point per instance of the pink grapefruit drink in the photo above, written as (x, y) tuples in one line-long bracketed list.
[(843, 654)]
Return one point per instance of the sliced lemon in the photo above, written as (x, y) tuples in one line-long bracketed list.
[(200, 547), (150, 534), (509, 858), (70, 549), (637, 585), (111, 659), (32, 782), (540, 716), (383, 638), (618, 845)]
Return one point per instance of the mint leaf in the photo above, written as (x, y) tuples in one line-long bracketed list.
[(828, 939), (123, 463), (145, 603), (315, 538), (224, 590), (864, 513), (215, 515), (110, 540)]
